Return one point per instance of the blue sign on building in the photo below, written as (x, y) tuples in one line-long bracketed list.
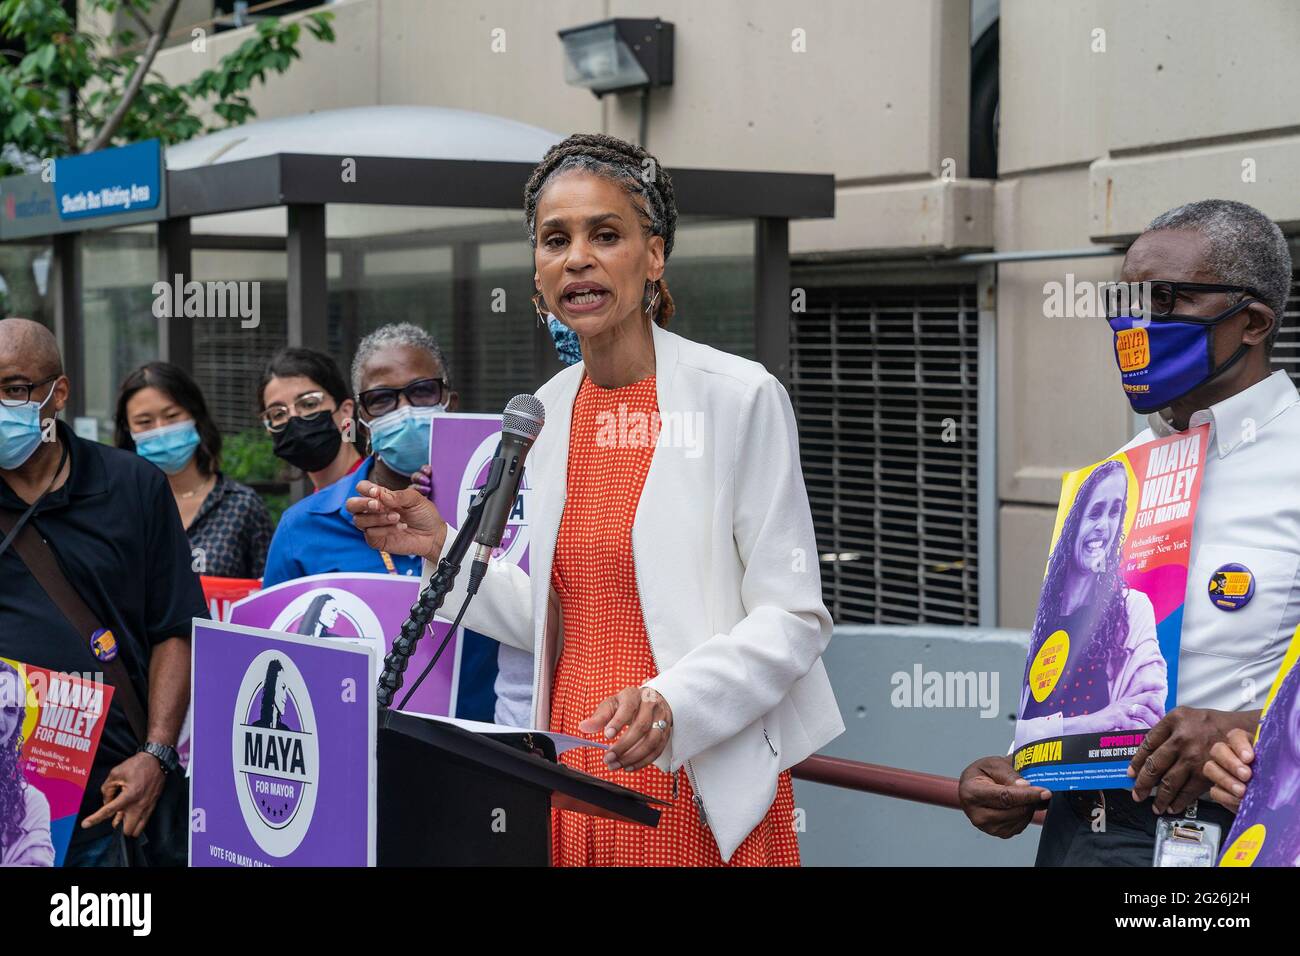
[(110, 187), (109, 181)]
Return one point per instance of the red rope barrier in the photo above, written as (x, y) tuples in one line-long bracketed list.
[(912, 785)]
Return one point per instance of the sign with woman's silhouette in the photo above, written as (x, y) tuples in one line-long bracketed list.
[(283, 769), (360, 607), (1103, 652)]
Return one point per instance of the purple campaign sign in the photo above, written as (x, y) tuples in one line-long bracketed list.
[(283, 750), (461, 450), (372, 606)]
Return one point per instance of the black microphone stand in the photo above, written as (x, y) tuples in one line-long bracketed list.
[(431, 598)]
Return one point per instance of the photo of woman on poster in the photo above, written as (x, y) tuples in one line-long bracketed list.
[(1114, 676), (24, 811)]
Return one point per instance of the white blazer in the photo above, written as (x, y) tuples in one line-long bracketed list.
[(727, 570)]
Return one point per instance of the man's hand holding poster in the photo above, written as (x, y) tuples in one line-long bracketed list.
[(1103, 653)]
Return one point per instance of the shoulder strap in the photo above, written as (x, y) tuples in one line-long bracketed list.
[(36, 553)]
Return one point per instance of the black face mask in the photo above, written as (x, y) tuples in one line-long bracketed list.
[(309, 443)]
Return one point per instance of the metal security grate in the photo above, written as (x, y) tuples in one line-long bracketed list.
[(1286, 350), (883, 381), (229, 360)]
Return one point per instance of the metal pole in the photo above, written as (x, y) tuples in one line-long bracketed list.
[(307, 293), (69, 317), (175, 265), (772, 296)]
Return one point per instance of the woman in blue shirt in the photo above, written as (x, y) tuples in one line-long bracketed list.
[(399, 376)]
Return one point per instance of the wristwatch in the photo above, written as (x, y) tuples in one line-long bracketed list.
[(165, 755)]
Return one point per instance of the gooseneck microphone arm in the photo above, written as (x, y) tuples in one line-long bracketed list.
[(431, 598)]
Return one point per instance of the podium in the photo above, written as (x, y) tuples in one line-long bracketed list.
[(451, 797)]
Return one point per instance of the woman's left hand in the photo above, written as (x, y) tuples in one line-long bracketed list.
[(638, 709)]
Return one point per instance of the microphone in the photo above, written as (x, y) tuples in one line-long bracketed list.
[(521, 423), (485, 523)]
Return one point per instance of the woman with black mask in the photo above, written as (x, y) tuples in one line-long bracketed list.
[(308, 408)]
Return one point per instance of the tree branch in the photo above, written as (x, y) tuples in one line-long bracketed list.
[(105, 135), (138, 17)]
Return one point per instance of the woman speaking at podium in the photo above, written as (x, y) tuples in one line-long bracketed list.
[(674, 606)]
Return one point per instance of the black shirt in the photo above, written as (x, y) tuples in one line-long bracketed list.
[(117, 534)]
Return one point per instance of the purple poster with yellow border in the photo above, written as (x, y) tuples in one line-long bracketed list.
[(283, 750), (1102, 667), (1266, 829)]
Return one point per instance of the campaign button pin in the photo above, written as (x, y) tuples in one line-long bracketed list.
[(104, 644), (1231, 587)]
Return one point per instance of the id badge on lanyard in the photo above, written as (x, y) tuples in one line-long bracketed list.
[(1186, 841)]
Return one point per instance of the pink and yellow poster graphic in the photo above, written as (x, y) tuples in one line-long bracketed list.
[(49, 730), (1266, 831), (1102, 667)]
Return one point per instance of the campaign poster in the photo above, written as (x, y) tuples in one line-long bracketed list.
[(463, 447), (461, 451), (369, 607), (221, 594), (50, 724), (224, 593), (283, 770), (1266, 831), (1102, 667)]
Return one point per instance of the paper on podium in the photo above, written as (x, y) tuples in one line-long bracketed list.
[(563, 742)]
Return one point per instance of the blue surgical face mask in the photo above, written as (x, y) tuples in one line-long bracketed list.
[(567, 346), (170, 447), (20, 432), (401, 438), (1163, 358)]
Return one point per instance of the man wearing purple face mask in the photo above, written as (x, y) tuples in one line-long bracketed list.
[(1216, 275)]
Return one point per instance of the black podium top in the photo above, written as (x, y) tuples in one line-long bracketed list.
[(517, 757)]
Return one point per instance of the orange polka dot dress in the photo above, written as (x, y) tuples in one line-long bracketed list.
[(606, 649)]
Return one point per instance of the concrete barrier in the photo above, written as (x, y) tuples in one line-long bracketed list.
[(963, 708)]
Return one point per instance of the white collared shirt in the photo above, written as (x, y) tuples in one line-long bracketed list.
[(1249, 514)]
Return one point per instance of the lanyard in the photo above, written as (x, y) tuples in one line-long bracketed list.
[(388, 562)]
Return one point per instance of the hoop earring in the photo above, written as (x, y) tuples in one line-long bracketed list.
[(649, 309), (537, 304)]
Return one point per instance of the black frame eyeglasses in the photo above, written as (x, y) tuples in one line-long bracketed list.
[(307, 405), (1163, 296), (18, 403), (422, 393)]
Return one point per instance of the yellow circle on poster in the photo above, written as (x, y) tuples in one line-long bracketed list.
[(29, 702), (1245, 848), (1048, 664)]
